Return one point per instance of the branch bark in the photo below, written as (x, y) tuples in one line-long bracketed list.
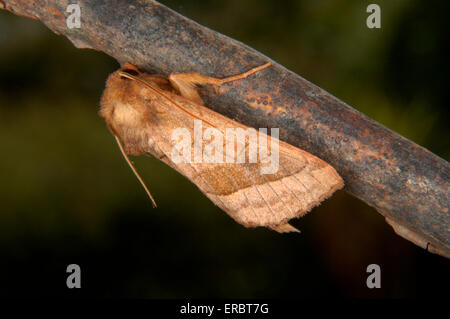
[(405, 182)]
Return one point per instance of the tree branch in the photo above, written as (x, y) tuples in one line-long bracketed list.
[(405, 182)]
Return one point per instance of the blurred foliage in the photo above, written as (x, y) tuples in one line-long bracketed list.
[(67, 195)]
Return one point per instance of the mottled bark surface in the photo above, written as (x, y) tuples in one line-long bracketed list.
[(405, 182)]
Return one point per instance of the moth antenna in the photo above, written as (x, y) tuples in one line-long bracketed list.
[(134, 170), (132, 77)]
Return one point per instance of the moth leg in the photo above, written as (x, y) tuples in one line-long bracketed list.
[(186, 83)]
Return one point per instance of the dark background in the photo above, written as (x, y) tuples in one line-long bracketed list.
[(67, 196)]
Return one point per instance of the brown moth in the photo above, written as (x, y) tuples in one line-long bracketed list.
[(143, 110)]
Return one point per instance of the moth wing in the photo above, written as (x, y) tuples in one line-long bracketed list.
[(271, 200), (240, 189)]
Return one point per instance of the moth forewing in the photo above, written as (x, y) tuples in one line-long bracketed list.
[(268, 185)]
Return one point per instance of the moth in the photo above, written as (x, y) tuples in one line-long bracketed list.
[(142, 111)]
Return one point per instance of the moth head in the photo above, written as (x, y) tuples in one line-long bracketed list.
[(129, 95), (126, 86), (121, 102)]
